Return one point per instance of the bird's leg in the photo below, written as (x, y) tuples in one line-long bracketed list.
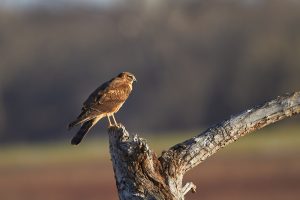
[(110, 124), (113, 116)]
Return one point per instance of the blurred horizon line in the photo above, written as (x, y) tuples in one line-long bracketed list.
[(67, 4), (61, 4)]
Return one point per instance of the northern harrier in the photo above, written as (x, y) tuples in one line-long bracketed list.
[(103, 102)]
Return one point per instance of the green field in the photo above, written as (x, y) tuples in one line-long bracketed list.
[(284, 139)]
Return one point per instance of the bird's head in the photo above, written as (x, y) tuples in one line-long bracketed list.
[(128, 76)]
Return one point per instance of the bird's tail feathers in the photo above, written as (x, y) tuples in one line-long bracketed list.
[(84, 129), (80, 120), (84, 117), (74, 123)]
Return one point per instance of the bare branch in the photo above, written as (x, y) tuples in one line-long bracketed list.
[(186, 155), (189, 186), (141, 175)]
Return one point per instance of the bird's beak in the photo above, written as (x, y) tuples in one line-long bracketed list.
[(134, 79)]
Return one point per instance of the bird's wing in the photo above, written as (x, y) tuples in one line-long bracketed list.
[(107, 98), (96, 95), (113, 96), (87, 111)]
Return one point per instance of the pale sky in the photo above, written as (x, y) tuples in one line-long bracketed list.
[(29, 3)]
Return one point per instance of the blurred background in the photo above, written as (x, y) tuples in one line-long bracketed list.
[(197, 63)]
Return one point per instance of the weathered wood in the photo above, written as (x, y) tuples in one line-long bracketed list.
[(137, 170), (140, 174)]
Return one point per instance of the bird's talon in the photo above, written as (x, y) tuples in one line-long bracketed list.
[(118, 125), (114, 126)]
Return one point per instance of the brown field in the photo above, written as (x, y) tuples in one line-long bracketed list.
[(246, 177), (245, 171)]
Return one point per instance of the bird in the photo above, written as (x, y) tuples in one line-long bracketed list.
[(105, 101)]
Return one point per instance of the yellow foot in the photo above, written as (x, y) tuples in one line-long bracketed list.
[(114, 126), (110, 126), (119, 125)]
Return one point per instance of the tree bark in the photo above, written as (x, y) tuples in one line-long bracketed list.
[(140, 174)]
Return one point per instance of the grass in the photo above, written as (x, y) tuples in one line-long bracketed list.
[(50, 153), (282, 139)]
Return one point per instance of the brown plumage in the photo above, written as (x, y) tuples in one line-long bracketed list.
[(103, 102)]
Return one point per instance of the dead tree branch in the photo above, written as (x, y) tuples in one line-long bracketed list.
[(141, 175)]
